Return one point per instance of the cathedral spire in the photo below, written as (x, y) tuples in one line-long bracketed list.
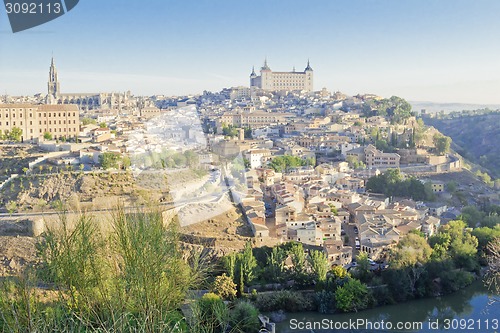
[(53, 83)]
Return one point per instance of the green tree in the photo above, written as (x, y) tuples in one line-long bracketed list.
[(339, 272), (109, 160), (15, 134), (442, 143), (224, 287), (485, 235), (248, 133), (410, 256), (246, 163), (229, 130), (276, 262), (459, 243), (362, 270), (354, 163), (192, 158), (11, 207), (472, 216), (126, 162), (319, 265), (451, 186), (229, 263), (248, 263), (298, 257), (179, 159), (352, 296), (87, 121), (47, 136)]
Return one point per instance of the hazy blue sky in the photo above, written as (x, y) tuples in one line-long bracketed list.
[(438, 50)]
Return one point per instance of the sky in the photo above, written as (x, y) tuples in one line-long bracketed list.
[(421, 50)]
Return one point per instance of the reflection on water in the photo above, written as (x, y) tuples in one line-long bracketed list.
[(468, 310)]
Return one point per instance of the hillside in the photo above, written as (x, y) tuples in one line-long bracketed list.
[(475, 137)]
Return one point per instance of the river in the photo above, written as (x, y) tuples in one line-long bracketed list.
[(468, 310)]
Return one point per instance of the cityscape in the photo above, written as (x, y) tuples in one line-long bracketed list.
[(278, 203)]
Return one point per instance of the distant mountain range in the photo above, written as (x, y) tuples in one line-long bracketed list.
[(432, 107)]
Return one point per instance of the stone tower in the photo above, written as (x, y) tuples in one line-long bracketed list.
[(308, 84), (54, 89), (266, 76)]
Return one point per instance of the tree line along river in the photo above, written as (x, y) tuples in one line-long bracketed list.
[(469, 310)]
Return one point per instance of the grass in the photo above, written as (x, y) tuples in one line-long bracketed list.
[(132, 279)]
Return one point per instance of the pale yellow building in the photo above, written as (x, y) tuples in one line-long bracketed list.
[(61, 121), (275, 81)]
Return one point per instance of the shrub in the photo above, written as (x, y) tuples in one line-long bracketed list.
[(135, 277), (210, 314), (224, 287), (244, 318), (286, 300), (352, 296), (325, 301)]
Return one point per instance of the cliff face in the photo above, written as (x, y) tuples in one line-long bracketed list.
[(475, 137)]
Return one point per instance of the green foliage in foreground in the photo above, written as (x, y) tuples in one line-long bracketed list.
[(131, 279)]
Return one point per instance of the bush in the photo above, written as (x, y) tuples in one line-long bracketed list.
[(244, 317), (135, 277), (224, 287), (353, 296), (289, 301), (452, 281), (210, 314), (325, 301)]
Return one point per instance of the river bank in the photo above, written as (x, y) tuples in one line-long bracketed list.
[(469, 309)]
